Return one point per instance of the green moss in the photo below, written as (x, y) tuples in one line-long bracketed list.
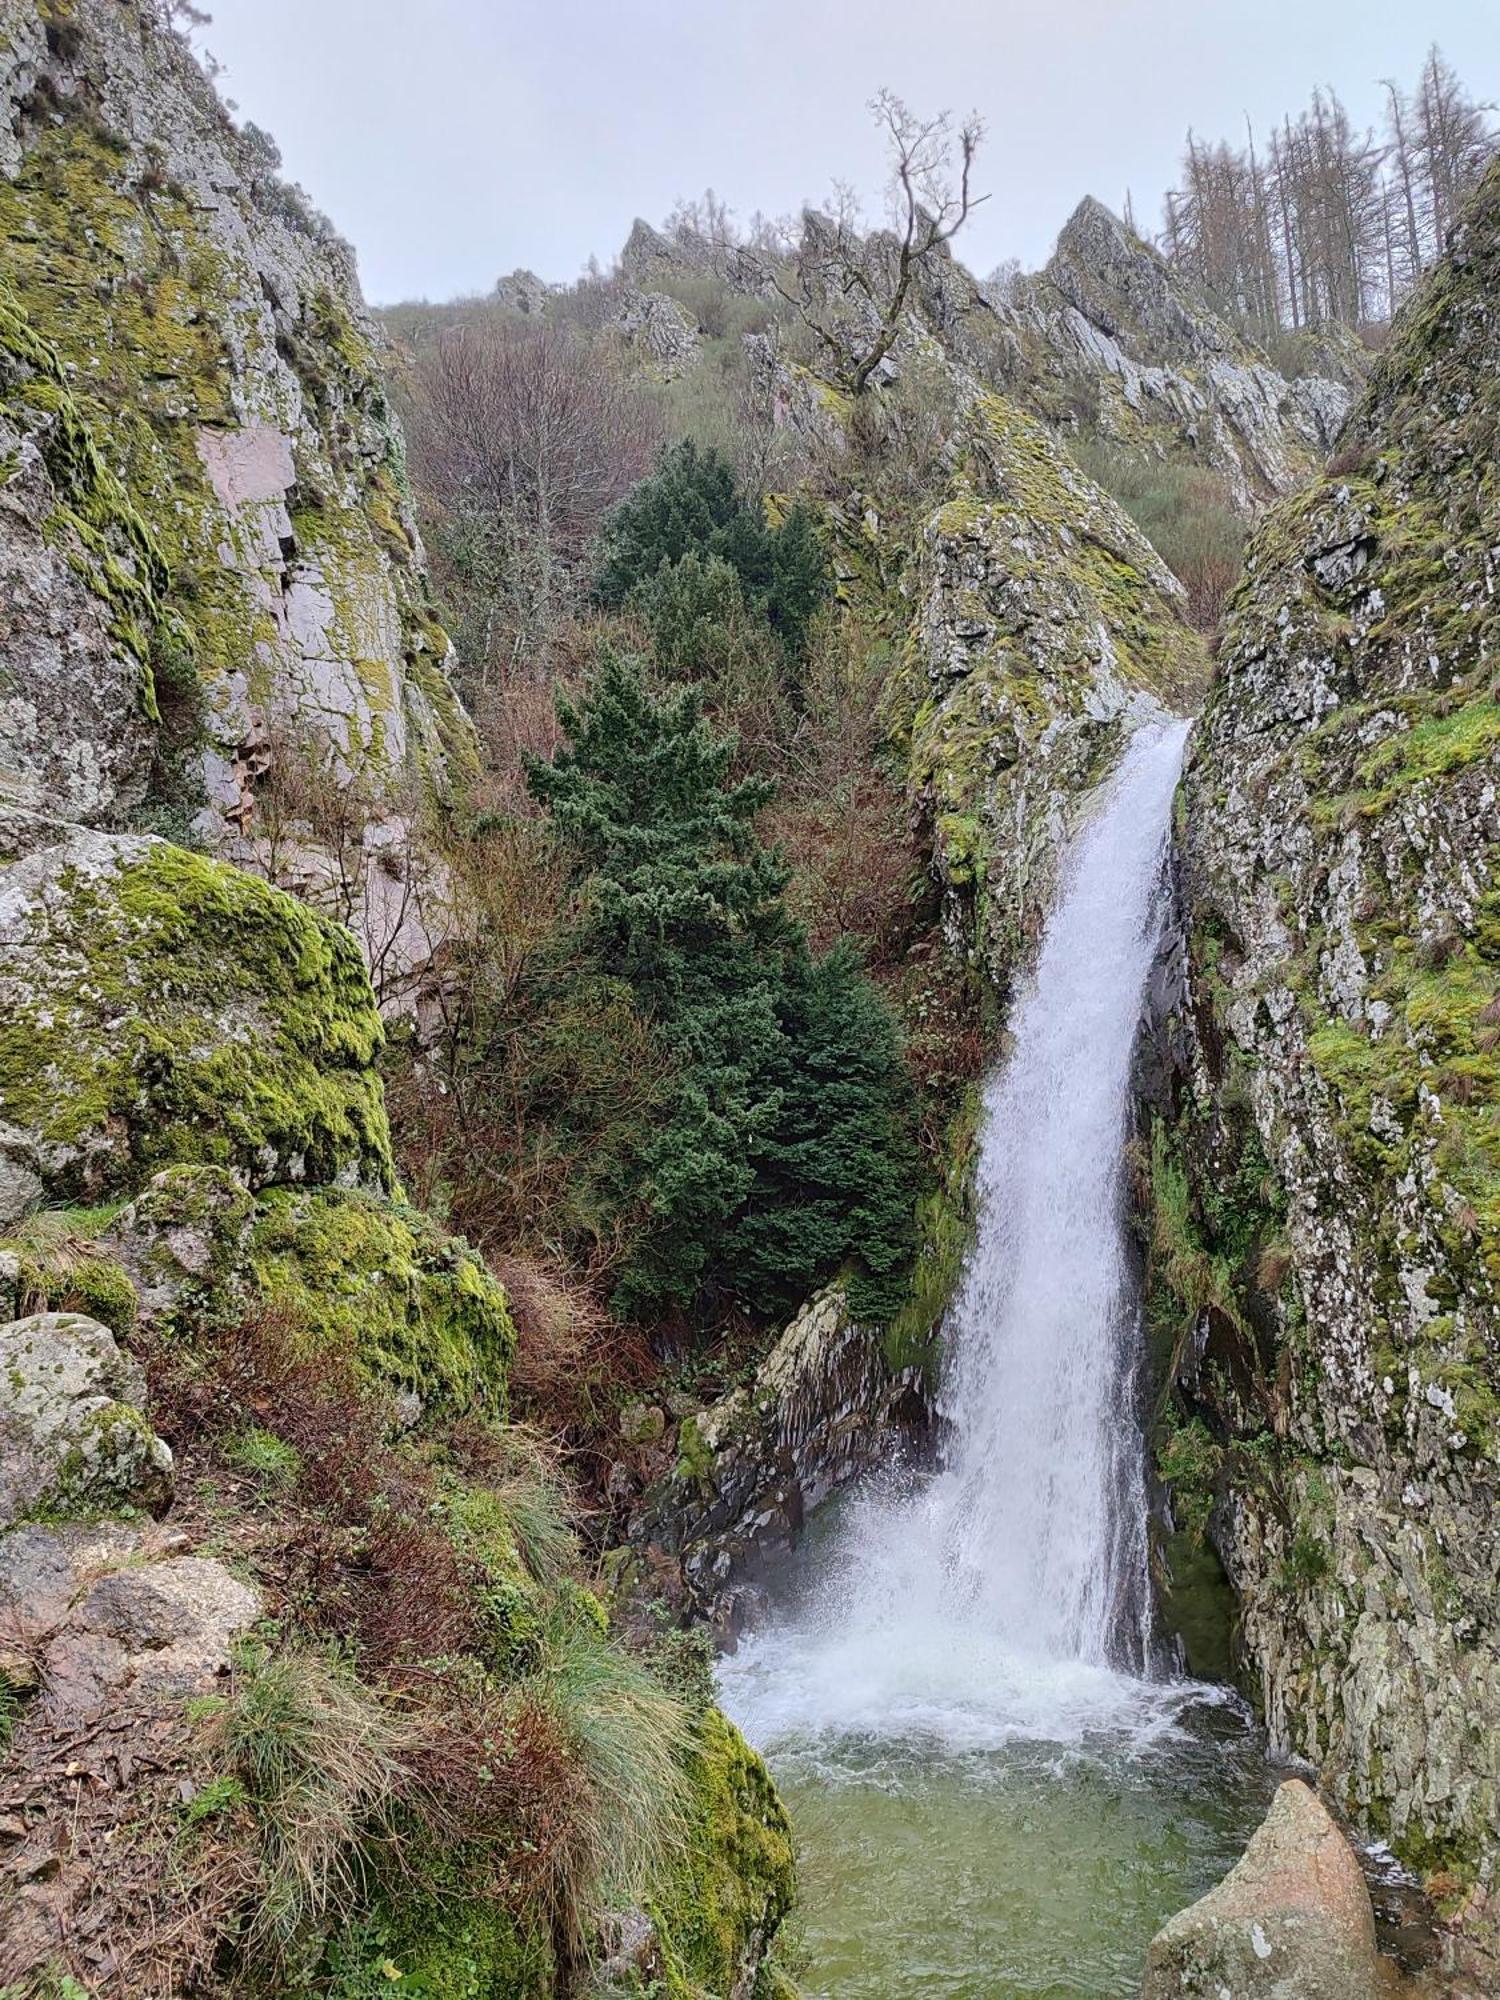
[(735, 1880), (60, 1270), (945, 1224), (193, 1013), (446, 1942), (1189, 1461), (204, 1214), (515, 1609), (369, 1276), (695, 1462)]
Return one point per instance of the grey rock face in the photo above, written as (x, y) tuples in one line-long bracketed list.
[(207, 546), (661, 330), (1342, 870), (523, 292), (1170, 375), (1291, 1920), (72, 1432), (824, 1406), (1045, 628)]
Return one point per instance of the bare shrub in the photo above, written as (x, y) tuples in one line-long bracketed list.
[(525, 436)]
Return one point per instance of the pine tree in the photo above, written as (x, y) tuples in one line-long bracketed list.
[(786, 1151), (693, 506), (835, 1180)]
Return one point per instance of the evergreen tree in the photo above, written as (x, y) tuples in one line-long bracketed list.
[(785, 1150), (836, 1174), (692, 505)]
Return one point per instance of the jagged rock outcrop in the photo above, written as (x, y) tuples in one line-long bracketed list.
[(825, 1405), (1155, 370), (210, 564), (523, 292), (1292, 1917), (660, 330), (1326, 1238), (1108, 344), (1046, 628)]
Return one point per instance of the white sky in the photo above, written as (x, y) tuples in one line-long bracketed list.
[(451, 140)]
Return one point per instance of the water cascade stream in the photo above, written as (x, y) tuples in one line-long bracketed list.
[(996, 1797)]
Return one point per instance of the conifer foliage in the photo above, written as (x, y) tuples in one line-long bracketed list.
[(786, 1150), (693, 506)]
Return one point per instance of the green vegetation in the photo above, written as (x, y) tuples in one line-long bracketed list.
[(1184, 511), (693, 507), (785, 1151), (135, 1024)]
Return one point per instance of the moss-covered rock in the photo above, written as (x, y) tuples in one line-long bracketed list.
[(370, 1276), (1046, 628), (73, 1437), (736, 1878), (1343, 892), (157, 1007), (208, 545), (345, 1271)]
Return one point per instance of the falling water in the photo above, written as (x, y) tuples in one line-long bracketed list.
[(956, 1630), (1039, 1516)]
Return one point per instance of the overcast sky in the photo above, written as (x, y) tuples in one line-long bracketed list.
[(452, 140)]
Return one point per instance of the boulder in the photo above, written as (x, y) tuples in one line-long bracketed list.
[(156, 1006), (1291, 1920), (109, 1610), (662, 331), (72, 1434)]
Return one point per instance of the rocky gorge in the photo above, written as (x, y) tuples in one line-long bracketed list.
[(267, 1482)]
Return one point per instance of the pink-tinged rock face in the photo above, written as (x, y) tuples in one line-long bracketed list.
[(1293, 1916)]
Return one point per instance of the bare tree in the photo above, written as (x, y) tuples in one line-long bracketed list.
[(526, 436), (848, 295), (1335, 225)]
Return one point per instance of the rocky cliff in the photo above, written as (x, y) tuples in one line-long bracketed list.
[(206, 540), (1113, 339), (1107, 344), (1045, 628), (1326, 1233), (299, 1684)]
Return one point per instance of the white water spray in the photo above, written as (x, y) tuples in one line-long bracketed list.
[(1009, 1595)]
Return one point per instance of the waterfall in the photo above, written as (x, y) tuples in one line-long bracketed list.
[(1008, 1593)]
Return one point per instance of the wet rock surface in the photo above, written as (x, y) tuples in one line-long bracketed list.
[(1291, 1921), (824, 1406)]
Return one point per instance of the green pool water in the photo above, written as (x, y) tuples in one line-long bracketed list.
[(974, 1819), (1025, 1870)]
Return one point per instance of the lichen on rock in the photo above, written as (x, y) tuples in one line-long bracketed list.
[(1343, 914), (159, 1007), (205, 524), (73, 1438), (1046, 628)]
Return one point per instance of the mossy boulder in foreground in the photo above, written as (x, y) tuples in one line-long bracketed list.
[(158, 1007)]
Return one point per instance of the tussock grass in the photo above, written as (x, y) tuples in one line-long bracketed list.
[(320, 1758)]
